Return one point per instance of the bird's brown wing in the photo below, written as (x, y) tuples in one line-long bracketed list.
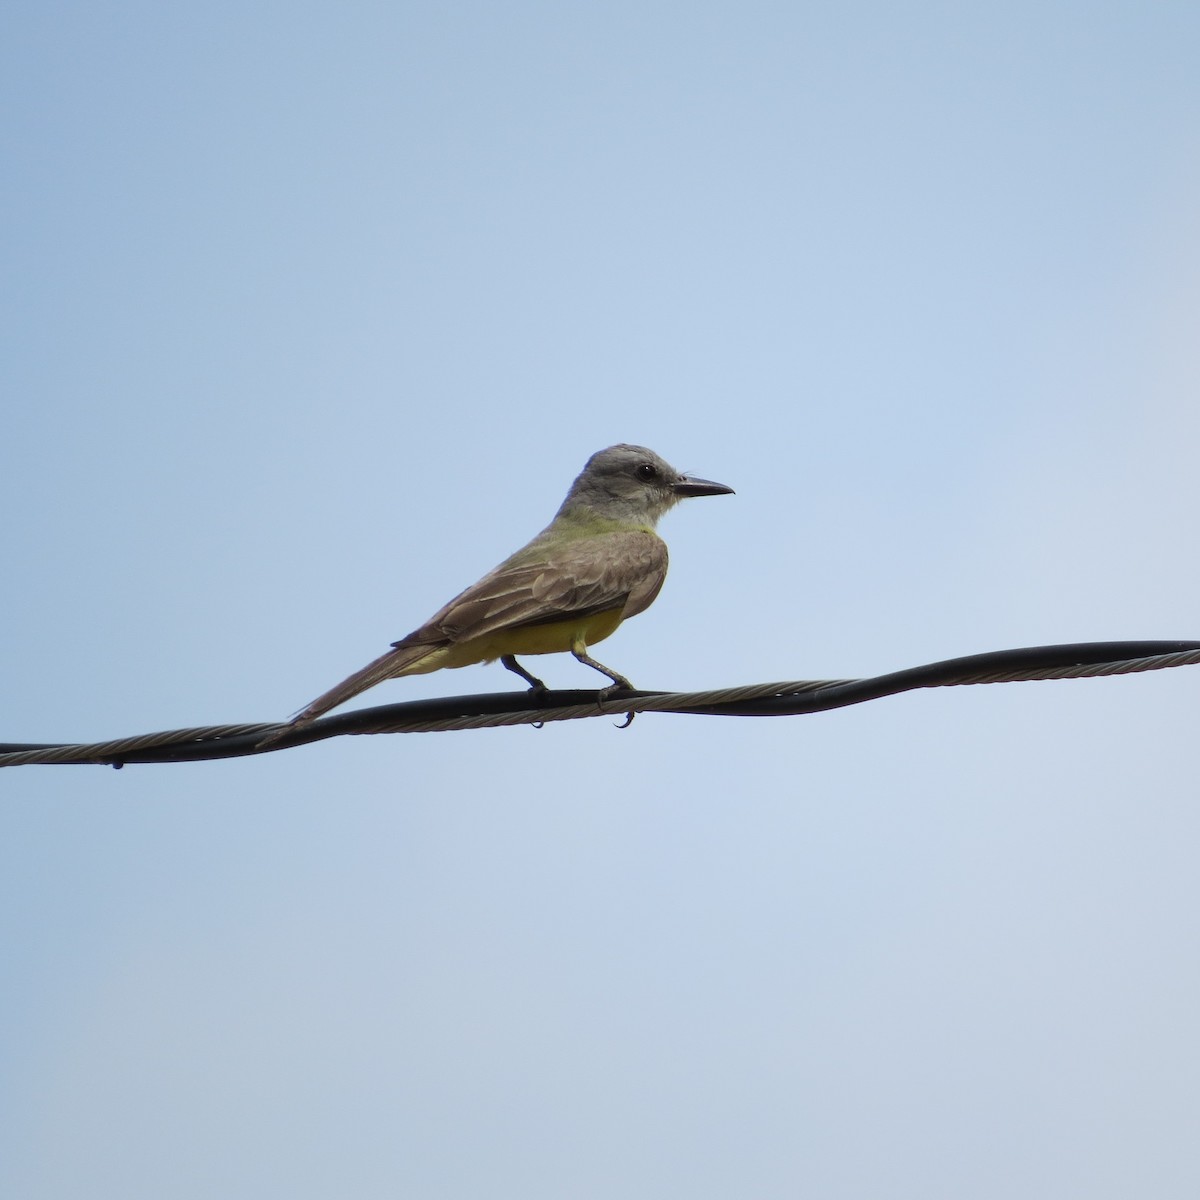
[(622, 570)]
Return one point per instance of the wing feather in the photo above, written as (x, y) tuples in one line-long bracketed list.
[(553, 582)]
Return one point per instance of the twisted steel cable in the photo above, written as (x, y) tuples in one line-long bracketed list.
[(1080, 660)]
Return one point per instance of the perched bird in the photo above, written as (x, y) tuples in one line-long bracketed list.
[(598, 562)]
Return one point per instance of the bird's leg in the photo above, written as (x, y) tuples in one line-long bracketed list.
[(535, 684), (619, 682)]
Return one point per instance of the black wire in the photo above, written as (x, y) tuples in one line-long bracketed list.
[(943, 674), (819, 699)]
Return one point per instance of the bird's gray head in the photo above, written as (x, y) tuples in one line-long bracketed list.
[(631, 483)]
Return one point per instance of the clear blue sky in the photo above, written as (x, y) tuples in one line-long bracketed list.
[(310, 315)]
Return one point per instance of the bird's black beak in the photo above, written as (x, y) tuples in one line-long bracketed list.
[(689, 485)]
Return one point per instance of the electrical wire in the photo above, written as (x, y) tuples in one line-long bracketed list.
[(1080, 660)]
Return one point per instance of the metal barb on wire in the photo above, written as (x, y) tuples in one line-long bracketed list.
[(1082, 660)]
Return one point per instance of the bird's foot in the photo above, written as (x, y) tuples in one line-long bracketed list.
[(619, 684)]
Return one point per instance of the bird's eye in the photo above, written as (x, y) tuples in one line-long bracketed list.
[(647, 471)]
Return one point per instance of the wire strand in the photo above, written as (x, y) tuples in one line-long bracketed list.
[(1080, 660)]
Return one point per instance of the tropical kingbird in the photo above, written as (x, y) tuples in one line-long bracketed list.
[(598, 562)]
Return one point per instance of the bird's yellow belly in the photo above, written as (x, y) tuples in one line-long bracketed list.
[(556, 637)]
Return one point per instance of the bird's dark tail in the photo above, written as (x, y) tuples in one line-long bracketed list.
[(395, 662)]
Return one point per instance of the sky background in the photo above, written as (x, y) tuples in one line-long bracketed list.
[(310, 315)]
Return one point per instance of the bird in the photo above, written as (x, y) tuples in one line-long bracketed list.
[(596, 564)]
